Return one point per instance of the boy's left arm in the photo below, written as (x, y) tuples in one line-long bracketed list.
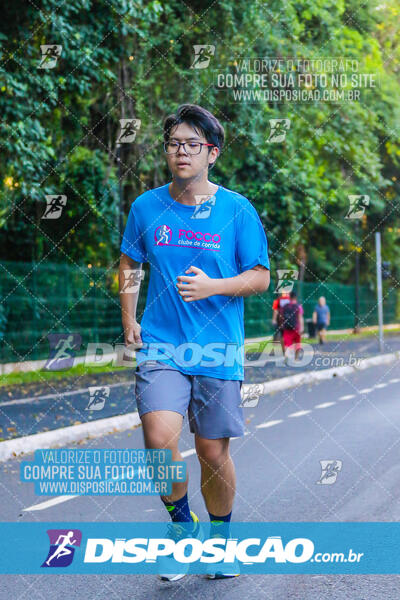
[(253, 281)]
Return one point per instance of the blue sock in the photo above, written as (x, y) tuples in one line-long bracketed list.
[(220, 526), (179, 509)]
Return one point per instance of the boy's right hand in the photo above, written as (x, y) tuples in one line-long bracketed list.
[(132, 331)]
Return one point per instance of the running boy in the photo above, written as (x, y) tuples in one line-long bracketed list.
[(206, 249)]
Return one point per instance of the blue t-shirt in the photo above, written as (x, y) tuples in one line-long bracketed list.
[(223, 237), (322, 313)]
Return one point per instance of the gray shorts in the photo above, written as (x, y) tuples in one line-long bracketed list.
[(213, 404)]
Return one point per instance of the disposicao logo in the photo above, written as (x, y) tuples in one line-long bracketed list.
[(62, 547), (190, 550)]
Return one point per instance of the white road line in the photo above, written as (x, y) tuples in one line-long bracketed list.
[(380, 385), (324, 405), (395, 380), (60, 499), (362, 348), (300, 413), (348, 397), (186, 453), (49, 503), (269, 424), (240, 436), (365, 391)]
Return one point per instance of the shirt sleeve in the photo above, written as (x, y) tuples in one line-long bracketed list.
[(133, 239), (251, 241)]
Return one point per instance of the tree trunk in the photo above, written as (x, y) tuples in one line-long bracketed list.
[(301, 260)]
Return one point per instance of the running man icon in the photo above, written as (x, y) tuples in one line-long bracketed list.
[(129, 129), (62, 542), (50, 55), (330, 470), (131, 280), (55, 205), (203, 54), (62, 550), (163, 235), (286, 281), (203, 210), (63, 347)]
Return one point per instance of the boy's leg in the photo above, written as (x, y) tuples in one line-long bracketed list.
[(218, 485), (218, 478), (216, 415), (162, 430), (162, 397)]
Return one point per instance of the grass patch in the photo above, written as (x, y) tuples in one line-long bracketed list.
[(44, 375)]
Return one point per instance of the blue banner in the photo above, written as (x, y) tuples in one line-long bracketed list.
[(302, 547)]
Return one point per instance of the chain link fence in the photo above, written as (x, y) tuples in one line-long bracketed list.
[(42, 299)]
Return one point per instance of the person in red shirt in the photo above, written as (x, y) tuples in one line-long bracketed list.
[(277, 317), (293, 323)]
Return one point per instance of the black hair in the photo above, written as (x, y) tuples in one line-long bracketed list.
[(293, 294), (202, 121)]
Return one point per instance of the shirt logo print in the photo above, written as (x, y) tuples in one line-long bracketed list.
[(162, 235)]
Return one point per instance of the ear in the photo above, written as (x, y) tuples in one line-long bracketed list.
[(213, 163)]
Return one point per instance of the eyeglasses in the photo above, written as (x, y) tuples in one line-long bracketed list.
[(189, 147)]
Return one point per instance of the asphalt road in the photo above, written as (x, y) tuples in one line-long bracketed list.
[(354, 419), (34, 408)]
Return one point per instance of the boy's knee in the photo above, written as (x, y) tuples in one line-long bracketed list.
[(158, 438), (213, 452), (159, 433)]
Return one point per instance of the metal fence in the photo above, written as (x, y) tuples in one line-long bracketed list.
[(42, 299)]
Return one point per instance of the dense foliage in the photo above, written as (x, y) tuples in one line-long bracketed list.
[(131, 59)]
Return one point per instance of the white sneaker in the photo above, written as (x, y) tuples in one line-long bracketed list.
[(178, 531), (222, 570)]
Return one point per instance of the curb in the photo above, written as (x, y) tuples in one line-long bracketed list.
[(75, 433)]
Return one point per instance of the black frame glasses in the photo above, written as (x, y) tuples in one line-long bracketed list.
[(179, 144)]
